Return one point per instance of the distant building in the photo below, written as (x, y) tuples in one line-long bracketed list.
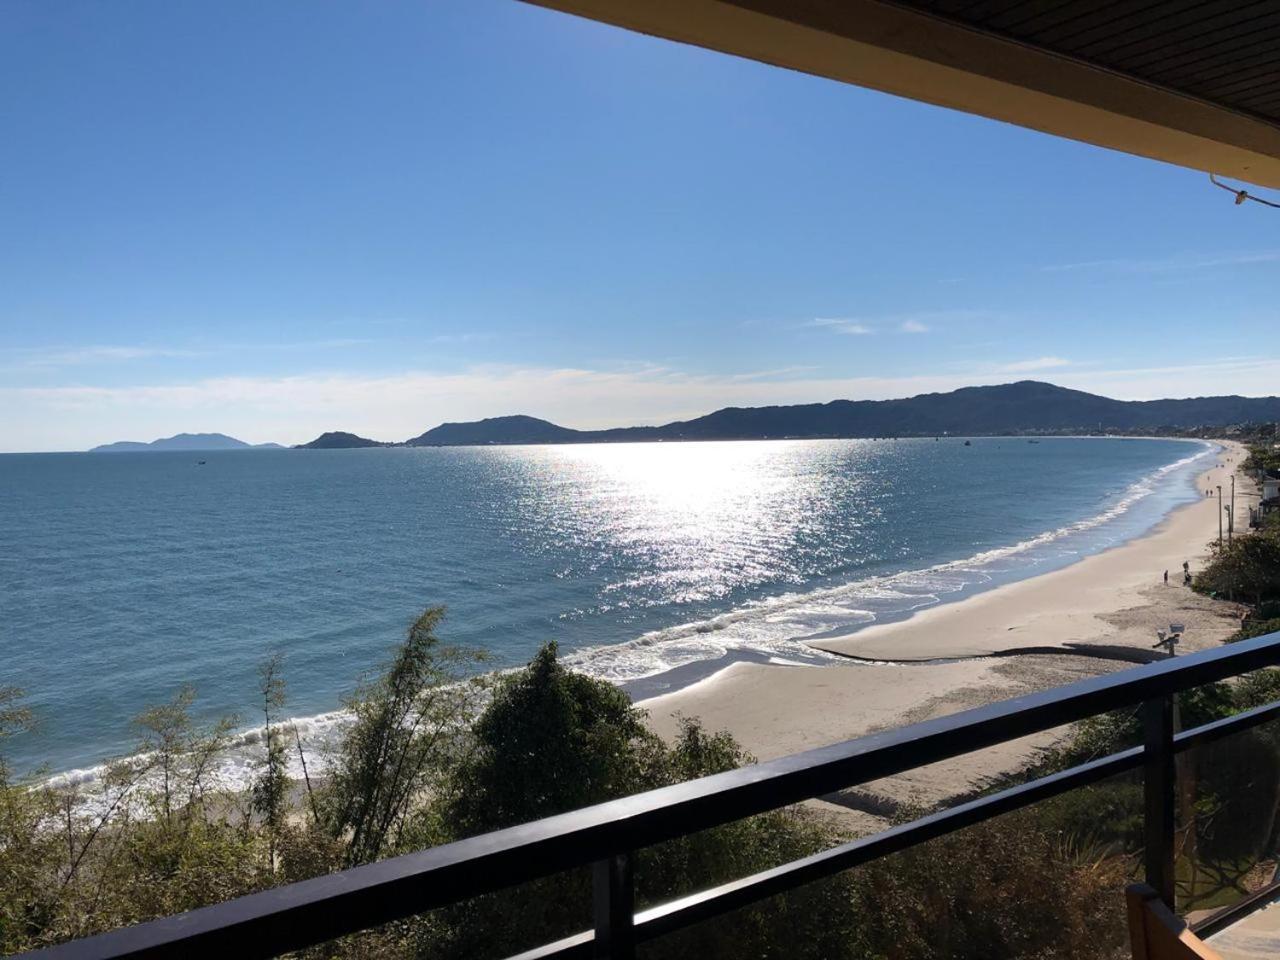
[(1269, 484)]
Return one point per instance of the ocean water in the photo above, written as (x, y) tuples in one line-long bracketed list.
[(125, 576)]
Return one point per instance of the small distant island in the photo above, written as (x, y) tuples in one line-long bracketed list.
[(189, 442), (1027, 407), (340, 440)]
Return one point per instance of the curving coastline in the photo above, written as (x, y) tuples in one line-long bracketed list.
[(785, 628), (1006, 641), (778, 633)]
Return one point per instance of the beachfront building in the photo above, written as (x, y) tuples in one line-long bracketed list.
[(1191, 84), (1269, 502)]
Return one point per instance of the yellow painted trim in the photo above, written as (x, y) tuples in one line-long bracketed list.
[(903, 52)]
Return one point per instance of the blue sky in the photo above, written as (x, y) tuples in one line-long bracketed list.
[(276, 219)]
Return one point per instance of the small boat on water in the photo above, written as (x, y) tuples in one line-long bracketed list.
[(968, 444)]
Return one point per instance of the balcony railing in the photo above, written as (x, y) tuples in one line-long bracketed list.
[(607, 835)]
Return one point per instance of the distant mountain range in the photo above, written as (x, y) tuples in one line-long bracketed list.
[(192, 442), (1028, 406)]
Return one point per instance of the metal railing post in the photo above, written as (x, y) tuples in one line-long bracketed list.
[(614, 903), (1158, 785), (294, 917)]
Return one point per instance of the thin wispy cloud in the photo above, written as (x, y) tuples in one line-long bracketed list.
[(774, 374), (1246, 376), (49, 357), (468, 337), (1168, 264), (1030, 366), (328, 343), (294, 409), (921, 321), (91, 354), (841, 325), (374, 321)]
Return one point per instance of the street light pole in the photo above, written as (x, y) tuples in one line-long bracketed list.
[(1219, 516), (1231, 517)]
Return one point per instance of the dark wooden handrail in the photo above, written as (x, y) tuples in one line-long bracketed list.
[(302, 914)]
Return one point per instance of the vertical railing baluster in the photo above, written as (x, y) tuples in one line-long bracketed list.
[(1159, 783), (614, 901)]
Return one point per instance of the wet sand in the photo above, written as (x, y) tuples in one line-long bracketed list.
[(1092, 617)]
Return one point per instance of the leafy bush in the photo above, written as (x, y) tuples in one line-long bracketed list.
[(1247, 568), (1012, 887), (159, 841), (1262, 457), (1255, 628), (435, 753), (553, 740)]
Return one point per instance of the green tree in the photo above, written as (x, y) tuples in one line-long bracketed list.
[(552, 740), (1247, 568), (269, 795), (410, 725)]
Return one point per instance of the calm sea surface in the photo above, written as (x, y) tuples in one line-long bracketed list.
[(124, 576)]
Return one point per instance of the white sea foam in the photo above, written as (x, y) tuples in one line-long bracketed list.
[(774, 628), (778, 626)]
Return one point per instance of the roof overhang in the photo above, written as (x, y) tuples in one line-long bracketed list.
[(916, 53)]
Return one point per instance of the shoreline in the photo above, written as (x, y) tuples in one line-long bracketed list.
[(1036, 611), (1037, 554), (693, 677), (1092, 616)]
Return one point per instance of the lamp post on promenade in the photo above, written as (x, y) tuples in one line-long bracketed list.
[(1231, 517)]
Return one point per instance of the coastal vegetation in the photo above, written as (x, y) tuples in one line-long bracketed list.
[(1263, 455), (436, 752), (1229, 791), (1246, 567)]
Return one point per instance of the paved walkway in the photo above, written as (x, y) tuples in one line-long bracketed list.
[(1255, 937)]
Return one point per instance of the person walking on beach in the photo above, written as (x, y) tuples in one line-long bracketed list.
[(1166, 578)]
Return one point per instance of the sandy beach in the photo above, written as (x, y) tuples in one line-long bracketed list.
[(1097, 615)]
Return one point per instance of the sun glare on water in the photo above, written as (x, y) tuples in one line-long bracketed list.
[(707, 517)]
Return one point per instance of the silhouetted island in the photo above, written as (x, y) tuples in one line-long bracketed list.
[(515, 429), (184, 441), (340, 440), (1026, 407)]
